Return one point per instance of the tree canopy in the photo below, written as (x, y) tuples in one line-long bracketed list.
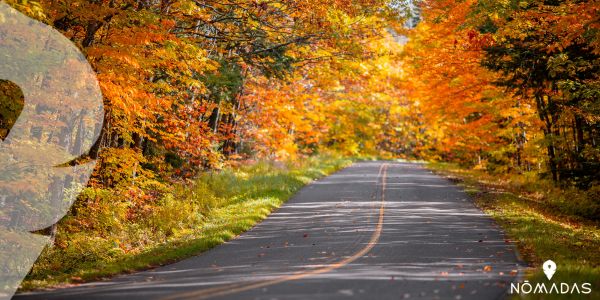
[(189, 86)]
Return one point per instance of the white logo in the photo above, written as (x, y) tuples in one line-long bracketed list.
[(549, 269), (556, 288)]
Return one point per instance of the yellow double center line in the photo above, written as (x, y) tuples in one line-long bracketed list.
[(241, 287)]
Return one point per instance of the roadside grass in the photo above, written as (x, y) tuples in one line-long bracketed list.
[(531, 216), (192, 219)]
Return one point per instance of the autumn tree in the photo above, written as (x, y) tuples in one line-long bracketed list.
[(548, 51)]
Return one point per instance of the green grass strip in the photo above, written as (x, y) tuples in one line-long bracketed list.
[(234, 200)]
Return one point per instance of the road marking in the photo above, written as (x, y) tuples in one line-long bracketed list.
[(241, 287)]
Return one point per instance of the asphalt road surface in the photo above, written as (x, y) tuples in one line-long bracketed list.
[(376, 230)]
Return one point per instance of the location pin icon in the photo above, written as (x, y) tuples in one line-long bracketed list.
[(549, 269)]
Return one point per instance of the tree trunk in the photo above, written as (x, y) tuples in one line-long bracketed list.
[(546, 115), (97, 146), (579, 125), (90, 32), (53, 231)]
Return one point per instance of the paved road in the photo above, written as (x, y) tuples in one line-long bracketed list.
[(376, 230)]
